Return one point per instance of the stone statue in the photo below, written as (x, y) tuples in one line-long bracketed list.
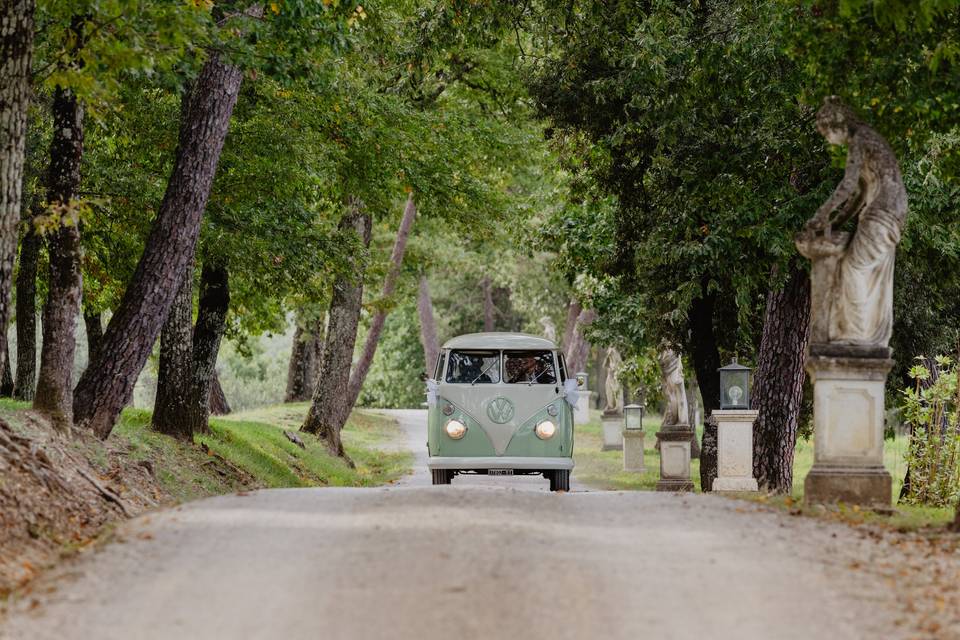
[(852, 276), (671, 371), (549, 329), (614, 390)]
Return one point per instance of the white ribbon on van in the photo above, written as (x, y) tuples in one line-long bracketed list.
[(570, 392), (432, 388)]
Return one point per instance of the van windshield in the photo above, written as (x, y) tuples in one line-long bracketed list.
[(534, 367), (478, 367)]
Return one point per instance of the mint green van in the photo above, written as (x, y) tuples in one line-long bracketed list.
[(501, 404)]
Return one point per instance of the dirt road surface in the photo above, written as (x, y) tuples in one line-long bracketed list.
[(482, 558)]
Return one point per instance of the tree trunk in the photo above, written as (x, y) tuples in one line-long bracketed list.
[(706, 361), (207, 334), (6, 379), (218, 399), (55, 381), (94, 325), (573, 312), (360, 371), (299, 380), (778, 382), (107, 385), (955, 527), (488, 308), (329, 396), (27, 315), (175, 370), (16, 50), (428, 327), (579, 349)]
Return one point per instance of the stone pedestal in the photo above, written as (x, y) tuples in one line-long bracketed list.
[(633, 450), (735, 450), (848, 412), (582, 413), (675, 458), (612, 427)]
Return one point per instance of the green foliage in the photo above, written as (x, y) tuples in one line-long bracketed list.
[(932, 409)]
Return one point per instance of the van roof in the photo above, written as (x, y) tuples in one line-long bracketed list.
[(498, 340)]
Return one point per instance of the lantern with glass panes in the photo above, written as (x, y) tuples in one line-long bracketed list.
[(633, 417), (734, 386)]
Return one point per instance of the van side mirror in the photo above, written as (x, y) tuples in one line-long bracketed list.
[(423, 376)]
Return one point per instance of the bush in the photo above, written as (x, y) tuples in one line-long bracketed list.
[(932, 410)]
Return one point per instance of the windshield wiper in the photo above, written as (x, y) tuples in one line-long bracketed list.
[(482, 373)]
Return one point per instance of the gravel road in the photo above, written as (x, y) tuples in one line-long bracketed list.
[(482, 558)]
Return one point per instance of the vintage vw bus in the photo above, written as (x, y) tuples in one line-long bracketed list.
[(499, 405)]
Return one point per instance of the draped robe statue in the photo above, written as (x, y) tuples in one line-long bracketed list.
[(612, 386), (549, 329), (852, 276), (671, 371)]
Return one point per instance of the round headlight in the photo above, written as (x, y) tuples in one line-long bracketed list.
[(552, 410), (456, 429), (545, 430)]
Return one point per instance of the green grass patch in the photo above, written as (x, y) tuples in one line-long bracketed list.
[(604, 469), (254, 441)]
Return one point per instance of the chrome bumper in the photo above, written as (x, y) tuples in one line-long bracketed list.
[(501, 462)]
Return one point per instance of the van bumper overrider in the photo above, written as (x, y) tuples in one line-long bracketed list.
[(500, 462)]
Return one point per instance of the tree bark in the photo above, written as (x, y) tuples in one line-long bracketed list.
[(107, 385), (27, 315), (489, 310), (706, 361), (579, 349), (329, 396), (573, 312), (218, 399), (16, 52), (301, 372), (207, 334), (362, 367), (6, 379), (778, 382), (55, 381), (428, 327), (93, 323), (175, 370)]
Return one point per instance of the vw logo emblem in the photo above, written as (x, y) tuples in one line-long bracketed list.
[(500, 410)]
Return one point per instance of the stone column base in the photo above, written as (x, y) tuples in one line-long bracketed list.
[(612, 427), (581, 414), (633, 450), (675, 458), (737, 485), (867, 486)]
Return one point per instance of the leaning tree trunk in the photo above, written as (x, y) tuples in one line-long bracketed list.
[(16, 50), (579, 349), (569, 328), (360, 371), (107, 385), (488, 309), (706, 361), (55, 381), (218, 399), (207, 334), (778, 382), (329, 396), (27, 315), (94, 325), (428, 327), (175, 370)]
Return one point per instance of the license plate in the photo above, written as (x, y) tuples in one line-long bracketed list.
[(500, 472)]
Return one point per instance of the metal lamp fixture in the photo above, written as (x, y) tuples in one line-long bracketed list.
[(734, 386), (633, 417)]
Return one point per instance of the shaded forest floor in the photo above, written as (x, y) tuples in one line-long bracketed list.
[(60, 496)]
